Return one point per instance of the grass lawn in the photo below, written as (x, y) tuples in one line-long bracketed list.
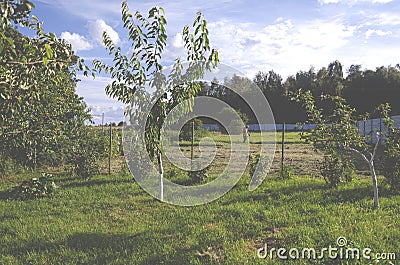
[(111, 220)]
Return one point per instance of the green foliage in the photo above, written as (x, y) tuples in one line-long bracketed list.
[(148, 37), (85, 154), (391, 158), (40, 111), (391, 166), (336, 169), (235, 126), (34, 188), (334, 132), (186, 131), (288, 172)]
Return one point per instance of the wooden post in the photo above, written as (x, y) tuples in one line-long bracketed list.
[(283, 148), (110, 151)]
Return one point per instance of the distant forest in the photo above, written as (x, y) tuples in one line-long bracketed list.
[(363, 89)]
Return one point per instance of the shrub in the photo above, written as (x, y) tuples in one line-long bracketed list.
[(391, 160), (43, 186), (86, 154), (335, 170)]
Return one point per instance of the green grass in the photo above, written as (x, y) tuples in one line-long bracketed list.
[(111, 220)]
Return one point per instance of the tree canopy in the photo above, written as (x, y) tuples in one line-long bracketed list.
[(40, 111)]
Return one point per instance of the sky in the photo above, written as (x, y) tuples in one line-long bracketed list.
[(251, 36)]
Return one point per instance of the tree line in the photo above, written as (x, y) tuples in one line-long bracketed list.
[(363, 89)]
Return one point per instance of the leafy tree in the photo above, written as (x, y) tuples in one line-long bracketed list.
[(40, 112), (336, 133), (148, 37)]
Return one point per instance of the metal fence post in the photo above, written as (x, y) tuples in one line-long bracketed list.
[(110, 151), (191, 150), (283, 148)]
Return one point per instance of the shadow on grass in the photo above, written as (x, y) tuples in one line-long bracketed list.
[(152, 247), (140, 248), (5, 195), (93, 182), (308, 191)]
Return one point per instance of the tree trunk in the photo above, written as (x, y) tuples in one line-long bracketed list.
[(161, 172), (375, 183)]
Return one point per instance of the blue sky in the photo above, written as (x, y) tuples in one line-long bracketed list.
[(286, 36)]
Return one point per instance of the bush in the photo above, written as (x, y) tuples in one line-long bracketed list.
[(86, 154), (35, 188), (335, 170), (391, 160)]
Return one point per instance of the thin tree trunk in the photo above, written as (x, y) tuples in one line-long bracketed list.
[(375, 183), (161, 172), (371, 169)]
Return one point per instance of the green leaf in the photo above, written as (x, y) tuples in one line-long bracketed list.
[(49, 51), (45, 61)]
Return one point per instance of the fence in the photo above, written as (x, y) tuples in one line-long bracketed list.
[(366, 127), (372, 126)]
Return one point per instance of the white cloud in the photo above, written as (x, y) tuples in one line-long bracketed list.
[(78, 42), (174, 49), (385, 19), (96, 29), (371, 32), (177, 41), (284, 46), (94, 94)]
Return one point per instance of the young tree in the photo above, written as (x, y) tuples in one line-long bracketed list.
[(335, 133), (130, 75)]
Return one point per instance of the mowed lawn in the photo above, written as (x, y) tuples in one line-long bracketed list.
[(111, 220)]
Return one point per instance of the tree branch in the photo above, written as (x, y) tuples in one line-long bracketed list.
[(379, 137), (355, 150), (33, 63)]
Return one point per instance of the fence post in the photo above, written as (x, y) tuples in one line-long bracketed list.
[(191, 150), (110, 151), (102, 123), (364, 129), (372, 131), (283, 148)]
